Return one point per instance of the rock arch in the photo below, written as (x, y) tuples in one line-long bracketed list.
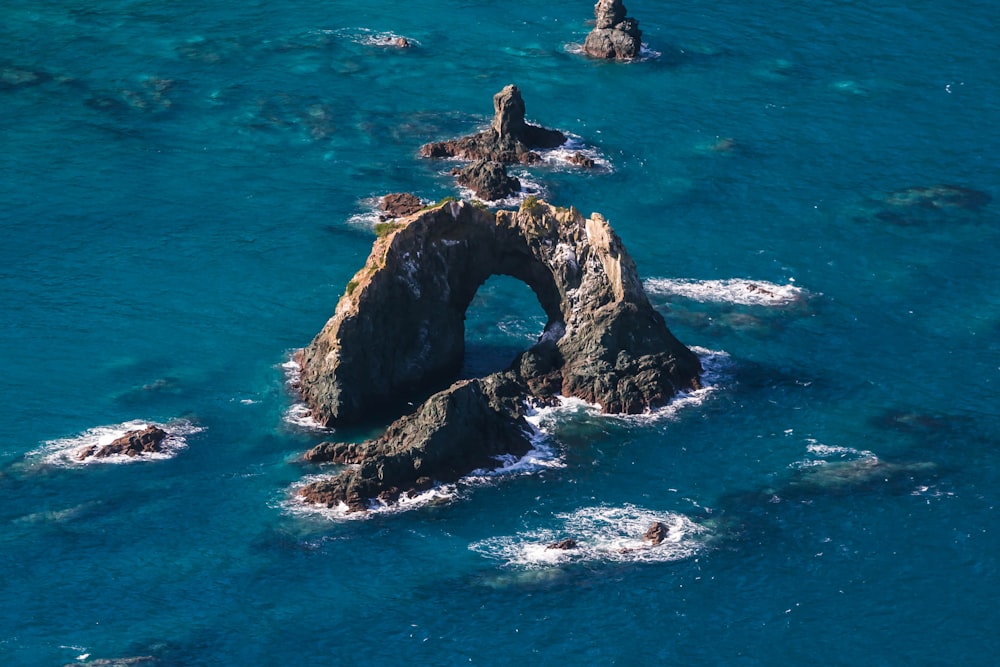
[(399, 330)]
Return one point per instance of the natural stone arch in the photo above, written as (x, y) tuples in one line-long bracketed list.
[(400, 328), (398, 331)]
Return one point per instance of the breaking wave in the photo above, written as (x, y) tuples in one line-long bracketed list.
[(602, 533), (736, 291)]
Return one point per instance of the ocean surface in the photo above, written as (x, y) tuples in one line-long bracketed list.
[(187, 187)]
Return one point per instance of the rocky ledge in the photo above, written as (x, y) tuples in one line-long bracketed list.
[(134, 443), (509, 139), (488, 180), (615, 36), (398, 334)]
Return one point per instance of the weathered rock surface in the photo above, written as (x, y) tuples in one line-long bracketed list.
[(451, 434), (615, 36), (656, 533), (487, 179), (563, 545), (399, 333), (399, 205), (509, 139), (133, 443)]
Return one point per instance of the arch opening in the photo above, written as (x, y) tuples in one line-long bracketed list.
[(503, 319)]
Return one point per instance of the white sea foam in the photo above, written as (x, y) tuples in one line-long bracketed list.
[(529, 188), (63, 452), (821, 455), (298, 414), (717, 369), (737, 291), (645, 52), (369, 37), (602, 533), (559, 157), (295, 504)]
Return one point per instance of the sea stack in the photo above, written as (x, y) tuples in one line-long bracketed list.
[(398, 335), (509, 139), (615, 36)]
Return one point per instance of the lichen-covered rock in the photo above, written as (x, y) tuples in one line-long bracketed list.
[(615, 36), (488, 180), (509, 139)]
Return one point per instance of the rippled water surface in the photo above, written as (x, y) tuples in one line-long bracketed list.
[(186, 189)]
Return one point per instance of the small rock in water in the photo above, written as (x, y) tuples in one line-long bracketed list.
[(563, 545), (615, 36), (581, 160), (133, 443), (487, 179), (656, 533)]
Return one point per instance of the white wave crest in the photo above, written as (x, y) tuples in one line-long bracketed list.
[(560, 156), (821, 455), (602, 533), (737, 291), (64, 452)]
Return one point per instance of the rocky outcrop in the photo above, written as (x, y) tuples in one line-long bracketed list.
[(133, 443), (399, 205), (615, 36), (451, 434), (509, 139), (398, 334), (656, 533), (563, 545), (488, 180)]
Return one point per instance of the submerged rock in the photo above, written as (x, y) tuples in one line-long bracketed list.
[(133, 443), (487, 179), (615, 36), (509, 139), (399, 334), (938, 197)]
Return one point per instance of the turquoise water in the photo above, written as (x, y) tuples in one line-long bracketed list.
[(187, 189)]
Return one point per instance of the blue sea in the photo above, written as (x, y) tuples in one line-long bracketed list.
[(811, 194)]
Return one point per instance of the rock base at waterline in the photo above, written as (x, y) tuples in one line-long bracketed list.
[(615, 36), (134, 443)]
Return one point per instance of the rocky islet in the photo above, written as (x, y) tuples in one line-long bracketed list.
[(398, 335)]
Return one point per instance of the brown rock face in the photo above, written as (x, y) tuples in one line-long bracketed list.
[(400, 204), (615, 36), (656, 533), (509, 140), (399, 333), (133, 443)]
